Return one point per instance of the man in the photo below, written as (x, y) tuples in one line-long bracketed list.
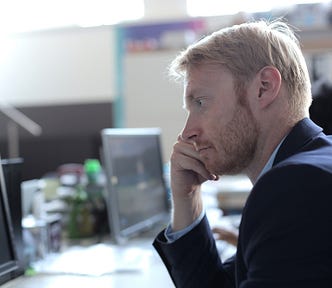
[(247, 93)]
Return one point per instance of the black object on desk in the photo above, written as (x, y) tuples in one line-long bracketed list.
[(10, 235)]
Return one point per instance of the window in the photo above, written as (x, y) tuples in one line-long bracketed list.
[(22, 15)]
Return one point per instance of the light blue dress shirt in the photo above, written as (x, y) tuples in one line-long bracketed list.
[(173, 236)]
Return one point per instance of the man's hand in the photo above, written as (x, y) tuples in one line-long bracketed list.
[(188, 172), (227, 234)]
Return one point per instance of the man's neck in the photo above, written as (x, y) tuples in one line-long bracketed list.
[(266, 149)]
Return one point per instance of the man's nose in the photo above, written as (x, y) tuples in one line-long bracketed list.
[(189, 131)]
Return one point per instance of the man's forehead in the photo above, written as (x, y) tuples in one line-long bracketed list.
[(206, 73), (205, 68)]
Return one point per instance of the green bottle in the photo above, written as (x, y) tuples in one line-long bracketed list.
[(95, 191)]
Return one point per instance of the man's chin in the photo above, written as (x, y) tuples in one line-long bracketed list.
[(227, 171), (212, 170)]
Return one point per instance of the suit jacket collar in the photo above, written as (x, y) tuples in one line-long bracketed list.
[(300, 135)]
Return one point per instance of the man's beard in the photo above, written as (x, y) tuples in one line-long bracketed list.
[(237, 141)]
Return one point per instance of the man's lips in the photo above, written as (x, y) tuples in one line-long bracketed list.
[(202, 149)]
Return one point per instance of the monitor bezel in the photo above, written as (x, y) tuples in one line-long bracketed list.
[(118, 234), (7, 268)]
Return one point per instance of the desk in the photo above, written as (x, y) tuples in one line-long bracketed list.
[(153, 275)]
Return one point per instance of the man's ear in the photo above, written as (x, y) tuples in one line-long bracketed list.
[(269, 80)]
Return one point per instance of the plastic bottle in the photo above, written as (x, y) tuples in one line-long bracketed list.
[(95, 188)]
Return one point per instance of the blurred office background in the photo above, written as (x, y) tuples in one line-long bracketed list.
[(70, 68), (74, 67)]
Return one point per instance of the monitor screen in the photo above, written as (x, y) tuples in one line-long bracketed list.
[(136, 192), (8, 259)]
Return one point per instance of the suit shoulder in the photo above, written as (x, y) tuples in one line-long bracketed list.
[(292, 174)]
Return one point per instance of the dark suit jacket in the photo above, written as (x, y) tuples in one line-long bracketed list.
[(286, 229)]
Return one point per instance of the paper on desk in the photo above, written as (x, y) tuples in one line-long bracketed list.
[(96, 260)]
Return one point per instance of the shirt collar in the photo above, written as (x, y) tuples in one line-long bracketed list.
[(269, 163)]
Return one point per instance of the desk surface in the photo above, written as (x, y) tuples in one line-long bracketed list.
[(151, 275), (156, 275)]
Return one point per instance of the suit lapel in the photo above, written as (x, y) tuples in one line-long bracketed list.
[(302, 133)]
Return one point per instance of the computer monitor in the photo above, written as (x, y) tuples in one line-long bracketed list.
[(137, 197), (8, 255), (12, 171)]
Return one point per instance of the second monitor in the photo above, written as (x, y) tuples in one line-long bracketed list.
[(137, 197)]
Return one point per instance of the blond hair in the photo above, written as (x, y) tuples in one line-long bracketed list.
[(245, 49)]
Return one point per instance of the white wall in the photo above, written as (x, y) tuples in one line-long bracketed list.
[(72, 65), (151, 98), (68, 65)]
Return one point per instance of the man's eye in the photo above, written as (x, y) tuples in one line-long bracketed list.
[(199, 102)]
